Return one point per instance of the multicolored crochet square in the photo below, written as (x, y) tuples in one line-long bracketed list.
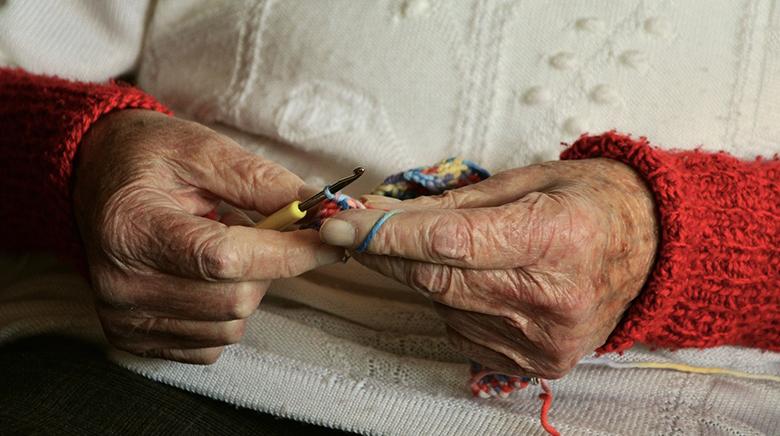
[(432, 180)]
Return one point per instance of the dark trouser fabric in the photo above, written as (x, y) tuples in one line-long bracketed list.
[(59, 386)]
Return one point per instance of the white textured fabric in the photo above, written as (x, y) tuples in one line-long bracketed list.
[(322, 86), (92, 40)]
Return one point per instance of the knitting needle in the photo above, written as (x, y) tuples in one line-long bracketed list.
[(295, 211)]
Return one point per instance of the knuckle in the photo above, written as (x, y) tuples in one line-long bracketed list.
[(557, 355), (111, 296), (420, 278), (205, 357), (435, 279), (452, 240), (122, 328), (218, 261), (143, 326), (241, 304), (564, 300), (266, 173), (449, 199), (233, 332), (557, 366)]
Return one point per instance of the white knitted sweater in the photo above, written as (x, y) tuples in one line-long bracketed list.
[(322, 86)]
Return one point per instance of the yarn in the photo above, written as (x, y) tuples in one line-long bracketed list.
[(486, 383), (431, 180), (681, 367), (546, 396), (333, 204), (374, 230)]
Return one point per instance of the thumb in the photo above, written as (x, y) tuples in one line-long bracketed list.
[(242, 178)]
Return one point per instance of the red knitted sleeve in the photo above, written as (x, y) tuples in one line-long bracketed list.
[(42, 120), (716, 279)]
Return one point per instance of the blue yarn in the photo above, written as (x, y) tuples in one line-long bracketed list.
[(341, 200), (329, 195), (434, 183), (483, 173), (375, 229)]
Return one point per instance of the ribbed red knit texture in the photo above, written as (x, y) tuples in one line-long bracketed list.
[(716, 279), (42, 120)]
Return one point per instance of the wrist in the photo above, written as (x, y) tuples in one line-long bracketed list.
[(97, 156), (634, 228)]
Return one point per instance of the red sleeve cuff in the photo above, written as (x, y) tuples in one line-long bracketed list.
[(716, 279), (43, 120)]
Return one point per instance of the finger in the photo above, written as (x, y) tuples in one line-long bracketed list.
[(175, 297), (493, 292), (501, 188), (140, 334), (483, 238), (381, 202), (487, 340), (201, 356), (236, 217), (240, 177), (485, 356), (544, 354), (203, 249)]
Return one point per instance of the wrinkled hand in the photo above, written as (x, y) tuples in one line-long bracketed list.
[(170, 283), (531, 269)]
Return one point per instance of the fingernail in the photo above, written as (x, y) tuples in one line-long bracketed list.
[(307, 191), (337, 232), (379, 202), (329, 255)]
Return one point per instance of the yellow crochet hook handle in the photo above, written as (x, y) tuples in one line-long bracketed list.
[(283, 218), (295, 211)]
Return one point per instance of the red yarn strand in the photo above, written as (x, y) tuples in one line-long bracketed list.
[(546, 397)]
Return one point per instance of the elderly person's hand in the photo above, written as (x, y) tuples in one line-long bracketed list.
[(531, 269), (169, 282)]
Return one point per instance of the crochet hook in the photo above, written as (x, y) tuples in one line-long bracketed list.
[(295, 211)]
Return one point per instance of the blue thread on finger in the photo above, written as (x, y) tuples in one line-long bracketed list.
[(374, 230)]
